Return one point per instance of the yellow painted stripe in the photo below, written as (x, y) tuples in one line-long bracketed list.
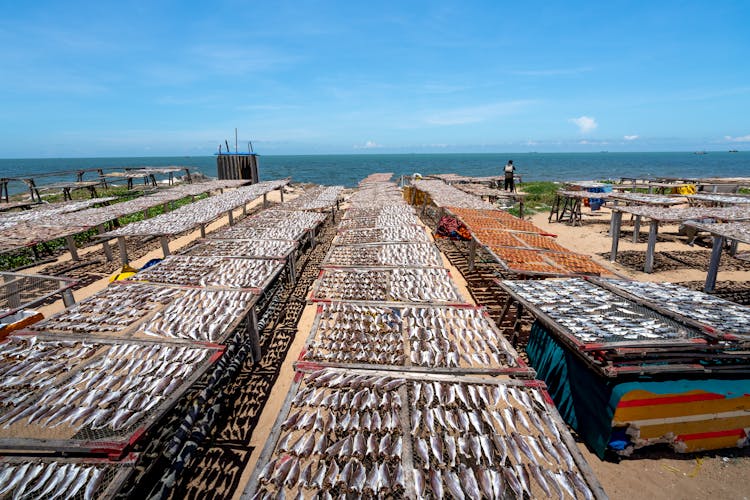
[(694, 427), (633, 413)]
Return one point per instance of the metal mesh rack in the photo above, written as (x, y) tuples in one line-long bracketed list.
[(213, 272), (79, 478), (20, 291), (441, 339), (269, 249), (415, 285), (377, 235), (101, 396), (338, 426), (385, 255), (131, 310)]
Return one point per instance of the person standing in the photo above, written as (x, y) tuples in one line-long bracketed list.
[(509, 174)]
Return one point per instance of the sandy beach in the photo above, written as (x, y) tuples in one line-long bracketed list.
[(650, 472)]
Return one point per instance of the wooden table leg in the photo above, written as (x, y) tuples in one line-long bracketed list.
[(616, 222), (652, 231), (72, 247), (252, 331), (472, 253), (164, 245), (713, 266), (105, 243), (123, 250), (636, 228)]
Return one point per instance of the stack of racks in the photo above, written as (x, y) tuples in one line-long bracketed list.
[(517, 245), (26, 229), (317, 198), (630, 364), (404, 389), (198, 213), (94, 378)]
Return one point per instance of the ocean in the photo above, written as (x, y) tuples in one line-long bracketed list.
[(350, 169)]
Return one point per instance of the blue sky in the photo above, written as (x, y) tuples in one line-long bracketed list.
[(176, 78)]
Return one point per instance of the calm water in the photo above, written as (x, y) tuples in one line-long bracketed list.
[(349, 169)]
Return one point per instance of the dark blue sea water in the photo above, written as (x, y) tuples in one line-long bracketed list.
[(349, 169)]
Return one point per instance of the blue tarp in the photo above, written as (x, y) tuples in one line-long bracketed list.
[(582, 398)]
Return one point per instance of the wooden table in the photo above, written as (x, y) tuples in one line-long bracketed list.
[(662, 214), (661, 187), (67, 187), (718, 199), (656, 200), (571, 205), (733, 231)]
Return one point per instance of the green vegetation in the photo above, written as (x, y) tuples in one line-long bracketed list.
[(539, 197), (24, 257)]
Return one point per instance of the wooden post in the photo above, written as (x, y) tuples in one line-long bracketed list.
[(123, 249), (203, 230), (555, 209), (472, 253), (281, 193), (68, 298), (733, 247), (713, 265), (231, 217), (72, 247), (576, 215), (252, 331), (616, 221), (652, 231), (517, 325), (265, 200), (105, 244), (292, 269), (164, 245), (636, 228)]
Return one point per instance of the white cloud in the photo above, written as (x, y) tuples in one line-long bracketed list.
[(630, 137), (743, 138), (585, 124), (368, 145)]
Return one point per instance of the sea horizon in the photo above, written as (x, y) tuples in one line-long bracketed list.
[(349, 168)]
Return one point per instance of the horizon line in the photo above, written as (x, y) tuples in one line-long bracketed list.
[(370, 153)]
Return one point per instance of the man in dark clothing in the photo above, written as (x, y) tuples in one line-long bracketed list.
[(509, 172)]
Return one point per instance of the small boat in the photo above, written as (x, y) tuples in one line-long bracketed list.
[(733, 151), (699, 153)]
